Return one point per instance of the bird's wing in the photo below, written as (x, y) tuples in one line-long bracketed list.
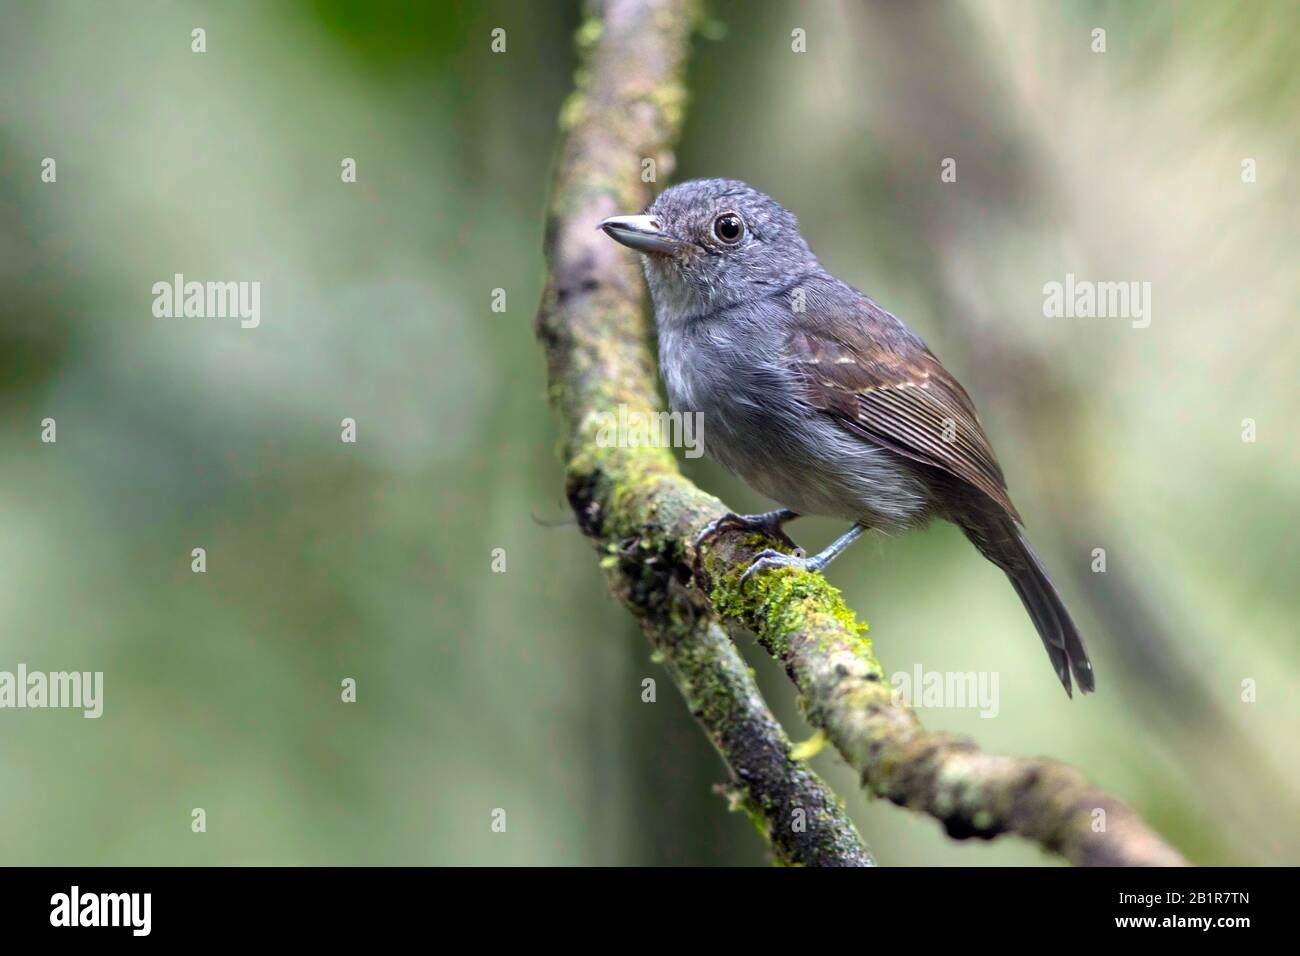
[(880, 382)]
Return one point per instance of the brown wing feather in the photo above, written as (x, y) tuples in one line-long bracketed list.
[(901, 397)]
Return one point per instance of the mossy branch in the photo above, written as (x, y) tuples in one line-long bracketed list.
[(801, 620), (628, 108), (642, 514)]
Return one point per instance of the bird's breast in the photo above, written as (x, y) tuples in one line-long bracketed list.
[(752, 422)]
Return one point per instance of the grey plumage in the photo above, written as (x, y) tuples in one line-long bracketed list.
[(819, 398)]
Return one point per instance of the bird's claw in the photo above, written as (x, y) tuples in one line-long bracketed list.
[(769, 524), (771, 558)]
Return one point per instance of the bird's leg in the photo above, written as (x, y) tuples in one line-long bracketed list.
[(769, 522), (775, 559)]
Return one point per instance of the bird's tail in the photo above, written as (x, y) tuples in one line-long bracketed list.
[(1010, 550)]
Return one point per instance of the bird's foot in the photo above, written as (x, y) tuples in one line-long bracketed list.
[(769, 523), (776, 559), (771, 558)]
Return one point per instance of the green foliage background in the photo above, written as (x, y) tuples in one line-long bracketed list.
[(522, 690)]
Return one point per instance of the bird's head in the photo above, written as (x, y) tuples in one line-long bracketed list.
[(711, 242)]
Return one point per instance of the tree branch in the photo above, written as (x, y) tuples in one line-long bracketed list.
[(628, 108), (635, 505)]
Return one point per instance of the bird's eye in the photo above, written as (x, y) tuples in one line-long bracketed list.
[(729, 228)]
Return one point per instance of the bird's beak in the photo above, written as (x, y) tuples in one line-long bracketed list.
[(642, 233)]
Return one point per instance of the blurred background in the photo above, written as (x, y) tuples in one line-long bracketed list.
[(373, 561)]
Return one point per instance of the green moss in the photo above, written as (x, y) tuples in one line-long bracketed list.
[(573, 109), (584, 39), (809, 748), (588, 33), (671, 100), (780, 602)]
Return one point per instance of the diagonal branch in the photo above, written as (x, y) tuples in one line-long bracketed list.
[(635, 505), (802, 819), (591, 320), (800, 619)]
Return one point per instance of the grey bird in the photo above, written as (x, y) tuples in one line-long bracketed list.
[(819, 398)]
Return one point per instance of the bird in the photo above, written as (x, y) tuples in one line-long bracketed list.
[(820, 399)]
